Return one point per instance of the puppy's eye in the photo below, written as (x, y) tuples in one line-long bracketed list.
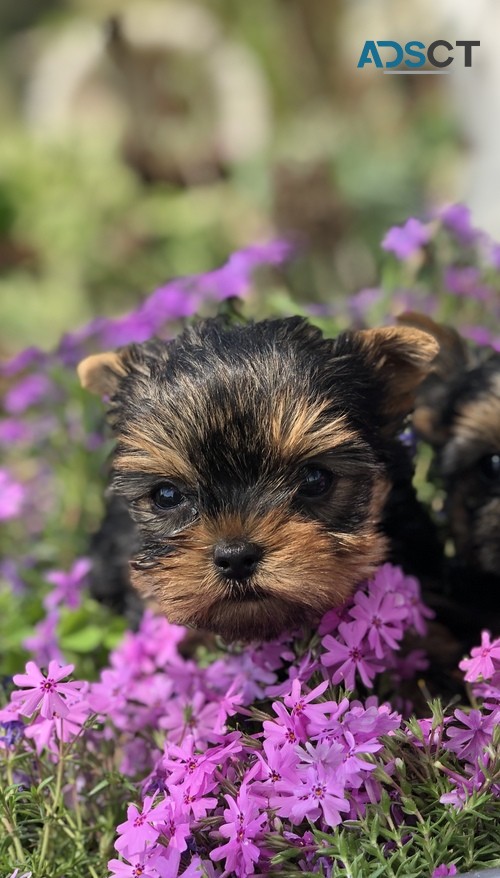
[(167, 496), (315, 482), (490, 467)]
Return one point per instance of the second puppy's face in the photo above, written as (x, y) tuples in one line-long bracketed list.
[(458, 413), (254, 461), (470, 463)]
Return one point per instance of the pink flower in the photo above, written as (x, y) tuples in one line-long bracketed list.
[(141, 828), (67, 586), (46, 732), (443, 871), (12, 496), (470, 743), (148, 864), (318, 793), (485, 659), (383, 613), (43, 644), (303, 712), (243, 823), (351, 656), (406, 240), (47, 691)]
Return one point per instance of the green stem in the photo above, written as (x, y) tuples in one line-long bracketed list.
[(14, 837), (56, 800)]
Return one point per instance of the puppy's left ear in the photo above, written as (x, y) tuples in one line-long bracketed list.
[(101, 373), (401, 357)]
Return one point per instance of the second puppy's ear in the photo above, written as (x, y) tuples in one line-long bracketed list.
[(452, 361), (401, 357), (101, 373)]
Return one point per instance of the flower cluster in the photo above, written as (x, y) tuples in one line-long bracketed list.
[(242, 755)]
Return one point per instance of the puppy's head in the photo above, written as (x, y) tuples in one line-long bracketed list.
[(458, 413), (254, 461)]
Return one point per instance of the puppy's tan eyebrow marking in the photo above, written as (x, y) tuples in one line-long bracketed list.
[(299, 428), (140, 450)]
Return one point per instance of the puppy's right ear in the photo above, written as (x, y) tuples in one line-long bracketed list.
[(101, 373)]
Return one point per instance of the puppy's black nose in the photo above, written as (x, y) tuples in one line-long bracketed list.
[(236, 559)]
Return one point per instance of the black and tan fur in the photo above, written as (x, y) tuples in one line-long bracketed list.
[(235, 418), (458, 414)]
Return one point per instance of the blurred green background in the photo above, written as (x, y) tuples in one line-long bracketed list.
[(144, 140)]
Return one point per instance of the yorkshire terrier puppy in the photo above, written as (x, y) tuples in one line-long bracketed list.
[(262, 469), (458, 413)]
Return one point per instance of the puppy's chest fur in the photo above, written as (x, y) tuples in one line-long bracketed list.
[(266, 436)]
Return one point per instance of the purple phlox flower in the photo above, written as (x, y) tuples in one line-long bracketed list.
[(350, 656), (382, 613), (252, 677), (14, 431), (170, 302), (243, 825), (27, 392), (233, 278), (328, 726), (489, 692), (228, 704), (276, 764), (186, 765), (287, 730), (194, 714), (464, 785), (301, 671), (470, 742), (354, 767), (67, 586), (457, 218), (12, 496), (147, 864), (200, 869), (303, 711), (466, 281), (327, 755), (480, 335), (109, 695), (46, 732), (432, 733), (153, 646), (46, 692), (332, 619), (405, 667), (154, 692), (141, 828), (28, 357), (404, 241), (484, 661), (317, 794), (368, 722), (194, 798), (393, 579), (443, 871), (43, 644), (134, 327)]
